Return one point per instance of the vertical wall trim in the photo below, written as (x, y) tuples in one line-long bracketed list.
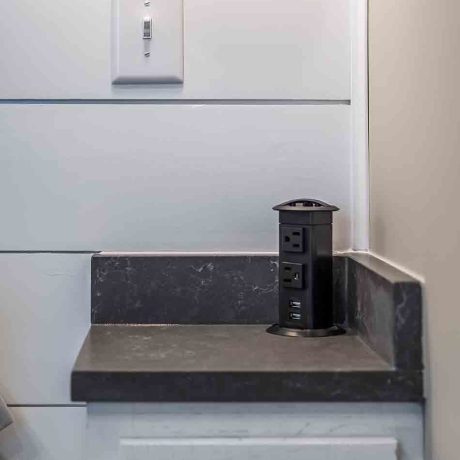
[(359, 128)]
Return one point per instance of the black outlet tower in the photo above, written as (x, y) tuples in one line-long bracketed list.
[(305, 269)]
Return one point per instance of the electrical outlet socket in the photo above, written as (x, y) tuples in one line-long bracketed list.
[(292, 275), (292, 239)]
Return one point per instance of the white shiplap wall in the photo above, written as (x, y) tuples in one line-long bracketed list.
[(264, 115), (233, 49), (174, 177), (44, 315)]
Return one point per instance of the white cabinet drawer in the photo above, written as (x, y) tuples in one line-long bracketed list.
[(259, 449), (234, 431)]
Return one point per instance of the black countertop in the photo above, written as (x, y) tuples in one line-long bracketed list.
[(241, 362), (231, 363), (220, 348)]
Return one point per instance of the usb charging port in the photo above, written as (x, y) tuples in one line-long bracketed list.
[(294, 316), (294, 303)]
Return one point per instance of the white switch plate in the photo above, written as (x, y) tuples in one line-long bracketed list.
[(137, 60)]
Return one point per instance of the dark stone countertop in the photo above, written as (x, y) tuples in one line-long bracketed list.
[(192, 328), (231, 363), (220, 348)]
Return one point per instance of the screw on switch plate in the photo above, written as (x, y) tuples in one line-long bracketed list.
[(140, 27)]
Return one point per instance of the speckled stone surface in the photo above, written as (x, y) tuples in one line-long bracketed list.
[(387, 310), (231, 363), (220, 348), (221, 352), (343, 313), (184, 289)]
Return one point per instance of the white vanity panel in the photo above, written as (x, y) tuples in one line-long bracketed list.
[(313, 431), (294, 448), (174, 177)]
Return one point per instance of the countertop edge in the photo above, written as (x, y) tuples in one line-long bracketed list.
[(371, 386)]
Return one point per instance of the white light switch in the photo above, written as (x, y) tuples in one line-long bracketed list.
[(147, 35), (147, 41)]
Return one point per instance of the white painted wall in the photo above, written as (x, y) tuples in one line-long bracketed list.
[(415, 170), (174, 177), (44, 317), (264, 115), (110, 177), (45, 433), (113, 177), (233, 49)]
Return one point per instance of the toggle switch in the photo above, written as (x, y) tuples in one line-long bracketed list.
[(147, 30), (140, 54)]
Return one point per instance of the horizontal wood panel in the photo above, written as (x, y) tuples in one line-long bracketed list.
[(44, 317), (147, 178), (233, 49)]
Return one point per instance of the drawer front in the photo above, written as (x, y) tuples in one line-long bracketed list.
[(258, 448), (234, 431)]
